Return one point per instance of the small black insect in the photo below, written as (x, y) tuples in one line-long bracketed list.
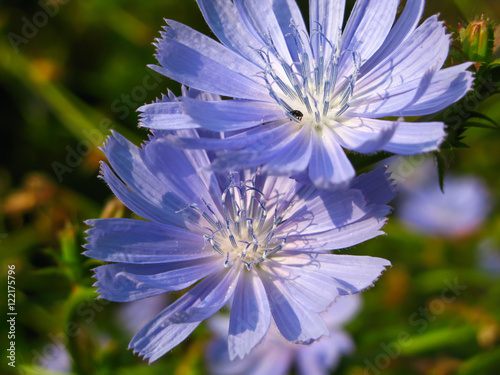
[(297, 114)]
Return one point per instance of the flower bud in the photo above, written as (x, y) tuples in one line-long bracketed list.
[(477, 40)]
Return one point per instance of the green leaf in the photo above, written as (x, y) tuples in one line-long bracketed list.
[(473, 124), (483, 117), (70, 251), (460, 144), (483, 363), (440, 339)]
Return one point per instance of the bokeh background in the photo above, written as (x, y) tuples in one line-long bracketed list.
[(71, 72)]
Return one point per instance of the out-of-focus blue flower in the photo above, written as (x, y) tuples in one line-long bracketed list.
[(275, 356), (263, 241), (57, 359), (459, 211), (134, 315), (301, 97)]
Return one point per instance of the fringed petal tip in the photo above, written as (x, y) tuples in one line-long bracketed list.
[(386, 265), (144, 356), (90, 223)]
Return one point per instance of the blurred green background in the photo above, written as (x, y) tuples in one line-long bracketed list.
[(80, 70)]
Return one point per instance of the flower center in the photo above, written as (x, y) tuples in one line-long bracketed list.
[(247, 233), (308, 89)]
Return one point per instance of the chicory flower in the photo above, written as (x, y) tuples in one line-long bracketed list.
[(262, 242), (300, 96)]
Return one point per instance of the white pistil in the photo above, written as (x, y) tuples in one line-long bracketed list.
[(247, 236), (309, 85)]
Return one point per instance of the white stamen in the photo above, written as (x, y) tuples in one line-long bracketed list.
[(247, 236), (309, 85)]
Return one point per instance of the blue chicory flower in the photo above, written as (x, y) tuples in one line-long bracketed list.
[(262, 241), (299, 97), (456, 212), (56, 360), (275, 356)]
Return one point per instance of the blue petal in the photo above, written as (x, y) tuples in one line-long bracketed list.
[(264, 151), (138, 241), (315, 291), (229, 115), (330, 15), (224, 20), (171, 276), (178, 320), (294, 156), (366, 30), (338, 236), (447, 86), (119, 289), (165, 116), (376, 186), (154, 212), (190, 66), (353, 274), (428, 94), (128, 282), (184, 173), (260, 19), (257, 138), (329, 166), (394, 100), (426, 48), (250, 315), (413, 138), (365, 135), (183, 34), (126, 160), (281, 192), (314, 214), (286, 12), (295, 322), (405, 25), (321, 167), (201, 162), (200, 95)]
